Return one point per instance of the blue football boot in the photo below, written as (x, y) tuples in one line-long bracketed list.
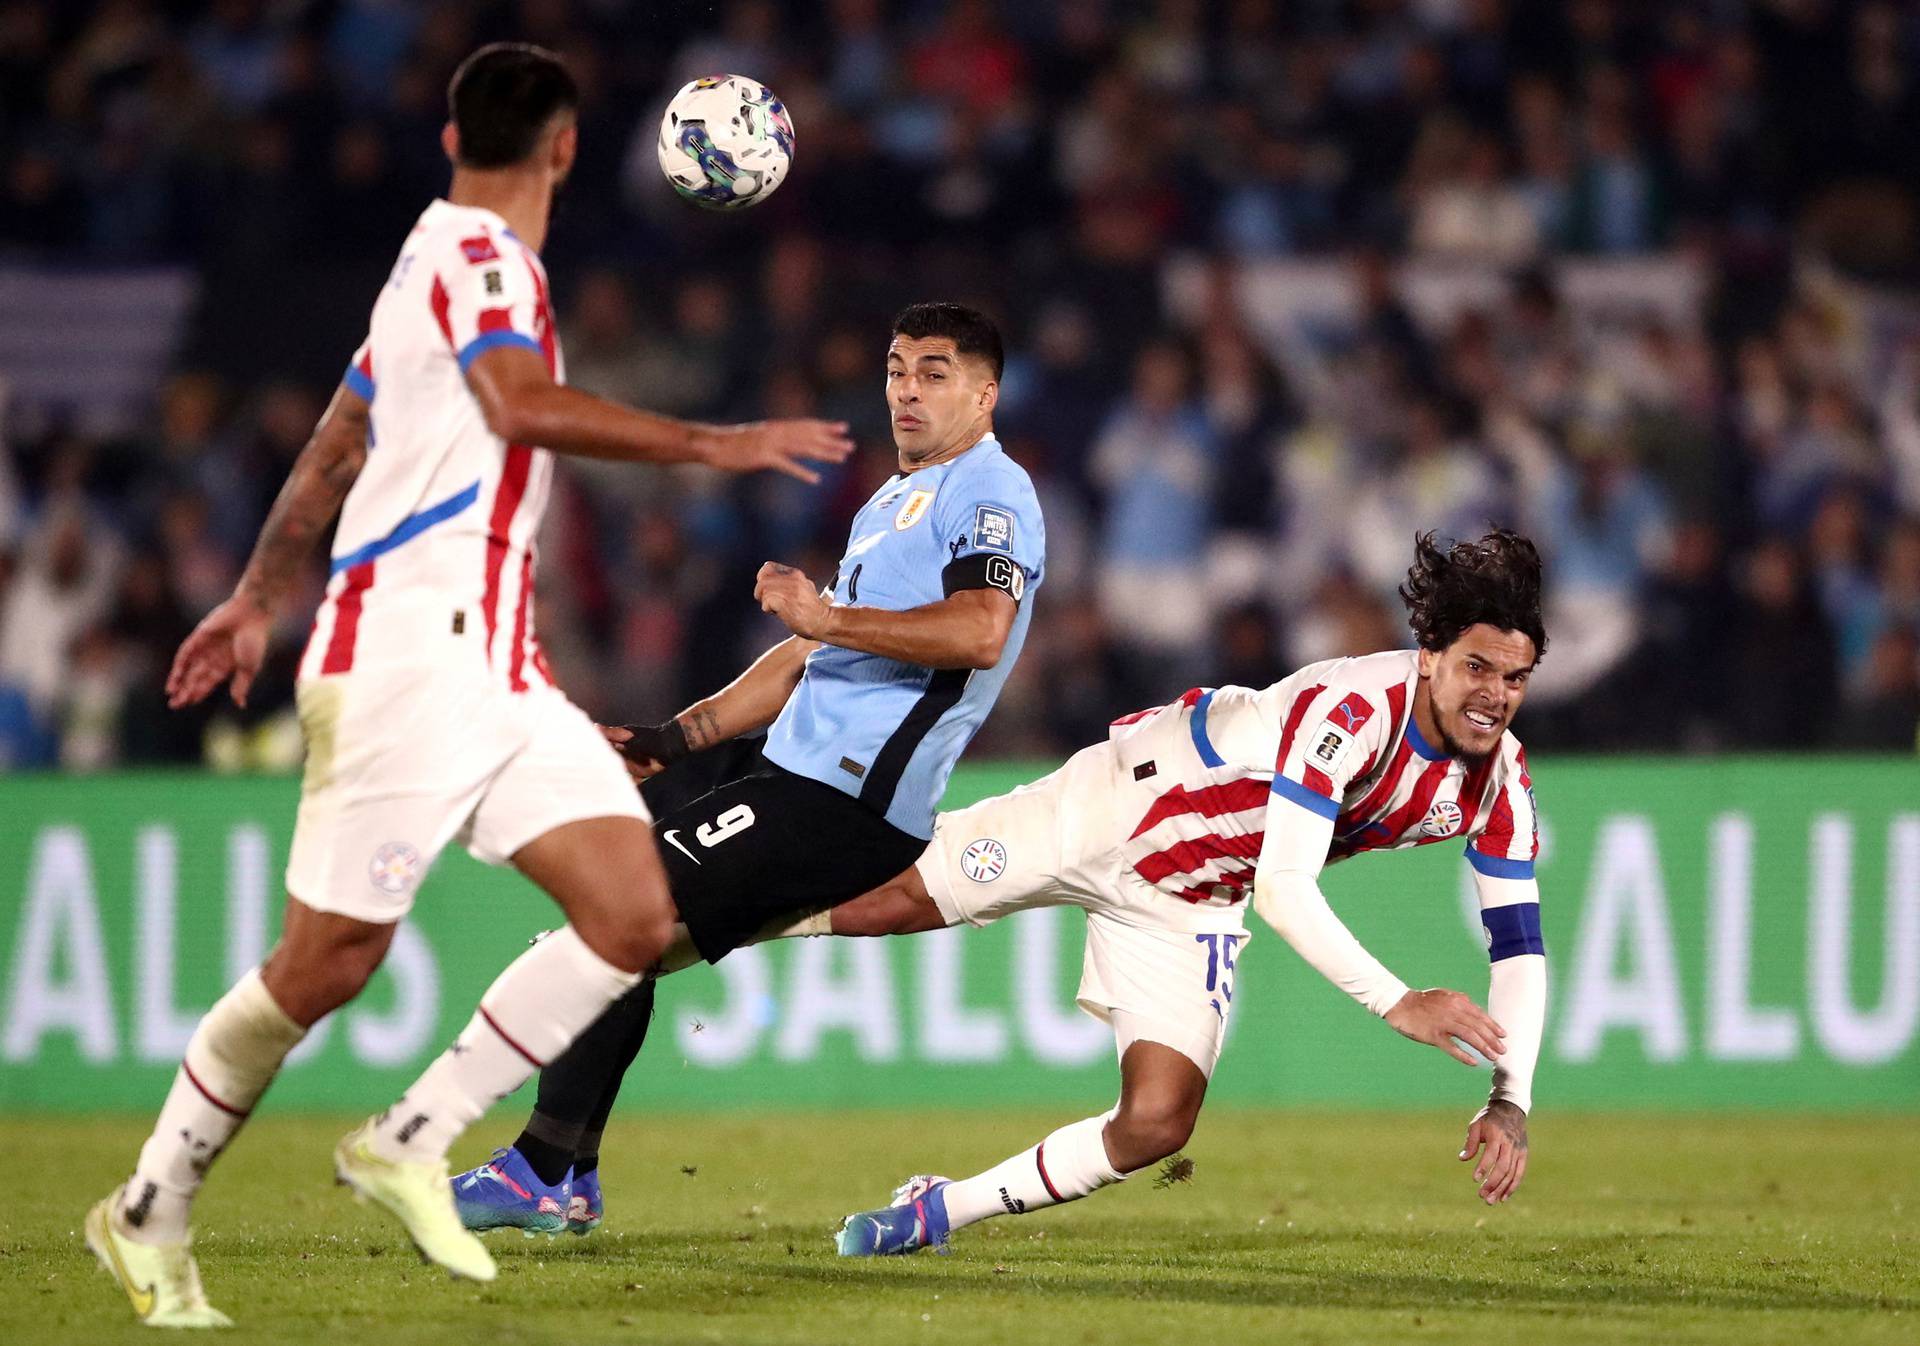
[(505, 1193), (917, 1219), (584, 1210)]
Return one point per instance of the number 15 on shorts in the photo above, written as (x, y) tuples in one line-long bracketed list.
[(1219, 969)]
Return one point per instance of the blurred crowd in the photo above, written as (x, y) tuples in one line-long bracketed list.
[(1728, 492)]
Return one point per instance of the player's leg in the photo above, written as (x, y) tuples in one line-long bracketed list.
[(373, 814), (556, 1155), (902, 907), (552, 1144), (607, 878), (140, 1233), (562, 811), (1167, 994), (739, 858)]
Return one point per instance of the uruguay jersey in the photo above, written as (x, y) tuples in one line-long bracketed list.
[(438, 530), (889, 732), (1336, 740)]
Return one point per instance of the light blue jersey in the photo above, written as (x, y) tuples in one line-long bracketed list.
[(886, 732)]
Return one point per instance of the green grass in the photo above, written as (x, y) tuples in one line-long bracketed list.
[(1296, 1227)]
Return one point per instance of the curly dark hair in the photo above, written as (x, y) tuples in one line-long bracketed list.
[(1495, 580)]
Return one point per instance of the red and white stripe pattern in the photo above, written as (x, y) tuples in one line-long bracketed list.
[(443, 517), (1334, 741)]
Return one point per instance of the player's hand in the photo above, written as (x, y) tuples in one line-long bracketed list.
[(789, 595), (639, 768), (780, 446), (648, 749), (230, 642), (1501, 1129), (1438, 1016)]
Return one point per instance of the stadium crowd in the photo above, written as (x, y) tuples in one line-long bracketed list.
[(1729, 499)]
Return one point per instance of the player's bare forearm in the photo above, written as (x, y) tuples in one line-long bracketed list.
[(305, 508), (524, 405), (968, 629), (965, 630), (751, 701), (568, 421)]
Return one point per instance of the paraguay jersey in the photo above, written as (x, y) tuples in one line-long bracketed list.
[(439, 527), (1337, 741), (888, 732)]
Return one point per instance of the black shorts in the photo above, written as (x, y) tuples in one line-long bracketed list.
[(745, 841)]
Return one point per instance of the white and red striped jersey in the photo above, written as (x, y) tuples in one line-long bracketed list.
[(1334, 743), (439, 527)]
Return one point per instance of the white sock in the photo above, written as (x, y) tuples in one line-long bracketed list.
[(544, 1000), (231, 1059), (1067, 1165)]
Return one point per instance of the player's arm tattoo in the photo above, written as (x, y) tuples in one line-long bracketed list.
[(322, 475), (702, 727)]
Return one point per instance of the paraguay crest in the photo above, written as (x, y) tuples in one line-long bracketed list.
[(1442, 820)]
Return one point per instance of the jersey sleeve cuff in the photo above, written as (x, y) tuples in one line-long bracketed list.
[(357, 380), (1288, 788), (1499, 867), (487, 341)]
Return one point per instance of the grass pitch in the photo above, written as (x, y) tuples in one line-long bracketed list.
[(1294, 1227)]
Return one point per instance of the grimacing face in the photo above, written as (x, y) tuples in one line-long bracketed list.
[(1476, 686), (938, 399)]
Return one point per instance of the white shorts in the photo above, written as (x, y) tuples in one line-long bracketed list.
[(403, 760), (1156, 968)]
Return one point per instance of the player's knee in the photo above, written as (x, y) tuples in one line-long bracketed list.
[(1149, 1132), (310, 988), (630, 936)]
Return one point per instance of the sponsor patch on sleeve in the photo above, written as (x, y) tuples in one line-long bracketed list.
[(1328, 747), (493, 282), (993, 528), (479, 249)]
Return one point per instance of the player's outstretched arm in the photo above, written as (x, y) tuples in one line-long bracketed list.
[(523, 405), (966, 629), (750, 702), (231, 642), (1290, 900)]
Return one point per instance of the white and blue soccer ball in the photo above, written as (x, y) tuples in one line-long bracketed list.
[(726, 142)]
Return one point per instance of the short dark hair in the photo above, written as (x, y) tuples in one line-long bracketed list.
[(971, 331), (1495, 580), (501, 99)]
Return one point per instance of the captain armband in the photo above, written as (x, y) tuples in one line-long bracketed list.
[(984, 570)]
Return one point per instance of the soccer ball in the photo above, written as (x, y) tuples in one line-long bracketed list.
[(725, 142)]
